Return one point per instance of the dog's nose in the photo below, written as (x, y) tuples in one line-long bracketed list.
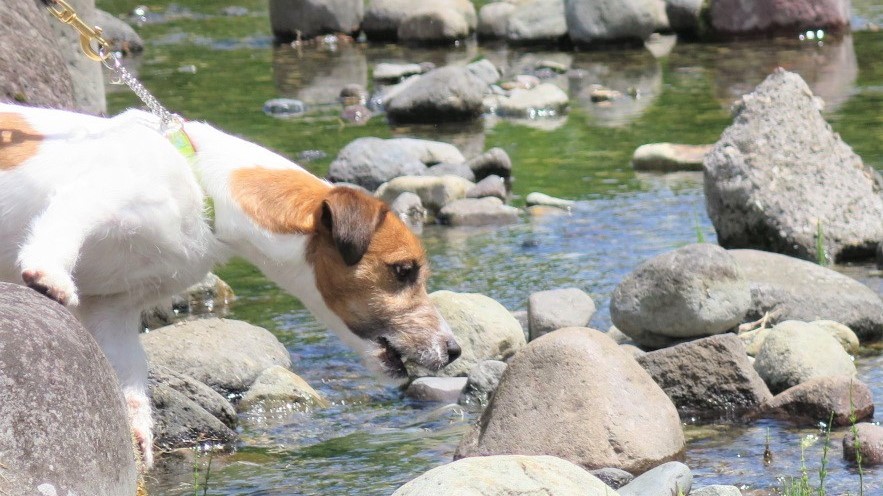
[(454, 350)]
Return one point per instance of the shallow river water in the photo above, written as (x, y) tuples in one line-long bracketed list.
[(221, 68)]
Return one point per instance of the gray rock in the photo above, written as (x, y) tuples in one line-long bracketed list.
[(493, 19), (369, 162), (796, 352), (816, 399), (444, 389), (490, 186), (492, 162), (408, 206), (430, 152), (843, 334), (613, 477), (284, 108), (481, 382), (87, 79), (293, 19), (356, 114), (591, 22), (205, 296), (448, 169), (555, 398), (507, 475), (664, 480), (395, 72), (434, 192), (779, 175), (433, 23), (487, 211), (40, 76), (441, 95), (716, 490), (521, 317), (187, 412), (791, 289), (63, 420), (280, 386), (684, 15), (551, 310), (118, 33), (870, 444), (753, 17), (536, 198), (484, 329), (227, 355), (706, 378), (485, 70), (545, 100), (697, 290), (667, 157), (353, 94), (382, 18), (537, 21)]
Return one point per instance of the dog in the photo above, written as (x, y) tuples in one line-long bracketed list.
[(107, 217)]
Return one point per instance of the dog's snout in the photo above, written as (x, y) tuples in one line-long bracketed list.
[(454, 350)]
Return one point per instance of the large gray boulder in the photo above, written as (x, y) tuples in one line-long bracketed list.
[(792, 289), (817, 399), (796, 352), (537, 21), (441, 95), (575, 394), (383, 18), (684, 15), (759, 17), (87, 80), (227, 355), (593, 22), (290, 19), (551, 310), (32, 70), (709, 377), (63, 420), (694, 291), (780, 179), (512, 475)]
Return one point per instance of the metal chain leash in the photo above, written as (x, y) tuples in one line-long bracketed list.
[(169, 121)]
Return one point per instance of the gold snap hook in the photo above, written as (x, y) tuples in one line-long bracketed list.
[(66, 14)]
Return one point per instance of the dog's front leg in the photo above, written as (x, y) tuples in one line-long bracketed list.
[(115, 325)]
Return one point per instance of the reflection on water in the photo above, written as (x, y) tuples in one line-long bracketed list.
[(636, 74), (316, 77)]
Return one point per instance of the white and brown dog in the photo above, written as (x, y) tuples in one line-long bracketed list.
[(106, 217)]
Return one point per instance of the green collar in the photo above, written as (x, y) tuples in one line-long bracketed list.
[(179, 139)]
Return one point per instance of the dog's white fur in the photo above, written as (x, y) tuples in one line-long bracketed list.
[(109, 217)]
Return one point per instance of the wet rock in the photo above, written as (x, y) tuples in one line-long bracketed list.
[(511, 475), (710, 377), (41, 77), (591, 22), (541, 211), (551, 310), (441, 95), (549, 201), (487, 211), (448, 169), (382, 18), (754, 17), (791, 289), (205, 296), (444, 389), (669, 157), (537, 21), (284, 107), (490, 186), (395, 72), (716, 490), (485, 70), (870, 444), (63, 420), (227, 355), (118, 33), (613, 477), (302, 19), (795, 352), (369, 162), (434, 192), (684, 15), (356, 114), (493, 20), (430, 152), (492, 162), (697, 290), (408, 206), (574, 394), (779, 176), (664, 480), (483, 328), (816, 399), (278, 385), (660, 46), (438, 22), (353, 94), (602, 94), (545, 100), (481, 382), (187, 412)]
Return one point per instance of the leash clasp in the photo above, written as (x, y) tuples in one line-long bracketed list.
[(88, 34)]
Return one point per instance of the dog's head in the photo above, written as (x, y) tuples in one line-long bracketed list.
[(370, 269)]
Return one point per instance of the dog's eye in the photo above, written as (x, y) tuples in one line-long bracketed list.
[(405, 271)]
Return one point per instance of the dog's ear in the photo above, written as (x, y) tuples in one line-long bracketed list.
[(282, 201), (351, 217)]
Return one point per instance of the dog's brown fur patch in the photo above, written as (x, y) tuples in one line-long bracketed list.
[(18, 140), (280, 201)]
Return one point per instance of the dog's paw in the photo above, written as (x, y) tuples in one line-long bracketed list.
[(142, 427), (58, 285)]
